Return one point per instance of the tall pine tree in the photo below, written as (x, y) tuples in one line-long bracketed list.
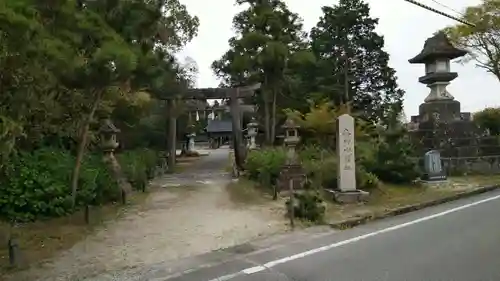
[(268, 34), (352, 67)]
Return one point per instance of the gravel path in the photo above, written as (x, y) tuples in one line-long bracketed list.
[(175, 222)]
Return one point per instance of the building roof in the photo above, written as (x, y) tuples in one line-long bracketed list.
[(438, 46), (219, 126)]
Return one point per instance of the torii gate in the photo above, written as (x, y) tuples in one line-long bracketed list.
[(233, 94)]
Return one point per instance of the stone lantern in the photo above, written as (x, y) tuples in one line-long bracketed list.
[(191, 142), (436, 56), (291, 139), (108, 133), (252, 133)]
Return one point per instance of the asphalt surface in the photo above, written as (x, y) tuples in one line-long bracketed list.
[(457, 241)]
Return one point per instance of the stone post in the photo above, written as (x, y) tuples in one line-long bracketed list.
[(346, 191), (346, 160), (252, 133)]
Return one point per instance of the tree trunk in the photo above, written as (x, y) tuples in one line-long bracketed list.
[(237, 132), (273, 117), (81, 149), (172, 135), (267, 117)]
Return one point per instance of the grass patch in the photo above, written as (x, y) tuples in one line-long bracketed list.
[(244, 191), (389, 197), (41, 240)]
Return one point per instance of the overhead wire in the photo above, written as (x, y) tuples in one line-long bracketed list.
[(449, 8), (439, 12)]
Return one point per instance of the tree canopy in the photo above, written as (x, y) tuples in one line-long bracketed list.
[(482, 40)]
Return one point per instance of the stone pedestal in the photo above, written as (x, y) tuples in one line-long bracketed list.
[(444, 110), (348, 197)]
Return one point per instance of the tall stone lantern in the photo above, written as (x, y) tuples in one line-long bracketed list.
[(108, 132), (436, 56), (291, 139), (191, 138), (252, 133)]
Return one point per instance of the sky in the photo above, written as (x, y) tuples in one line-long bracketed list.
[(404, 26)]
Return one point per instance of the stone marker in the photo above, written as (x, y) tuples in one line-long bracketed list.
[(346, 164), (433, 169), (346, 161)]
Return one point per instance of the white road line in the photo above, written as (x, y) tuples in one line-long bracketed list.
[(270, 264)]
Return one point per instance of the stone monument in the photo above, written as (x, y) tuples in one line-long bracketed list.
[(346, 163), (433, 168)]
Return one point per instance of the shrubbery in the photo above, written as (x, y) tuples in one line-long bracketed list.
[(319, 165), (37, 185), (139, 166), (308, 205), (265, 165)]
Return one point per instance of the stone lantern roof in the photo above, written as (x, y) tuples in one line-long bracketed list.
[(108, 127), (438, 46), (290, 124)]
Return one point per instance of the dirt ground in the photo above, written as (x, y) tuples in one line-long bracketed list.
[(173, 223), (177, 221)]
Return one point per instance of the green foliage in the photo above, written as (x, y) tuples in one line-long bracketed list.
[(366, 180), (320, 166), (488, 119), (139, 166), (36, 185), (84, 58), (394, 162), (265, 164), (308, 205), (481, 40), (269, 37), (345, 43)]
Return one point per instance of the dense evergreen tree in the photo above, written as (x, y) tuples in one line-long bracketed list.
[(268, 35), (352, 66)]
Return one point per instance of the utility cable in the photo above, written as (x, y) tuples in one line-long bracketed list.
[(449, 8), (440, 13)]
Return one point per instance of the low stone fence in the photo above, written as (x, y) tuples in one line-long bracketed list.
[(469, 165)]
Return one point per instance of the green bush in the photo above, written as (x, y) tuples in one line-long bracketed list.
[(37, 184), (139, 166), (320, 166), (366, 180), (393, 161), (265, 164), (321, 169), (308, 205)]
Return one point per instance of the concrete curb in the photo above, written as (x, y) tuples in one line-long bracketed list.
[(352, 222)]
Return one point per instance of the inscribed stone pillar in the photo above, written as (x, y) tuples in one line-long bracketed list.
[(346, 165)]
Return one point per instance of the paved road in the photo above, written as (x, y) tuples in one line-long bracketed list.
[(207, 168), (458, 241)]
